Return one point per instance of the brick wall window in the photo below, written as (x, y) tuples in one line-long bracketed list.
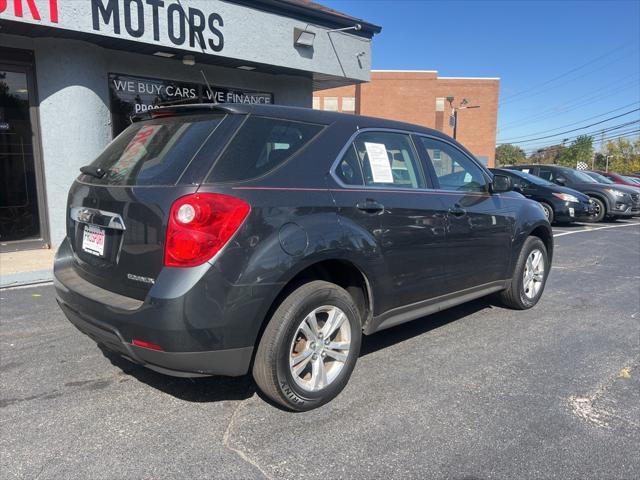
[(440, 104), (349, 104), (316, 103), (331, 103)]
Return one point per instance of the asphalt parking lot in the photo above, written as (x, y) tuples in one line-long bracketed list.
[(476, 392)]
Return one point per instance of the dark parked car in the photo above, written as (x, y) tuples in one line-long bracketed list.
[(219, 240), (609, 201), (561, 204), (633, 192)]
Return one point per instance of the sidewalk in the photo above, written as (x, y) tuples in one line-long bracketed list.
[(23, 268)]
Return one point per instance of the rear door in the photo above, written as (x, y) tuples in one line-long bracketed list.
[(386, 193), (117, 223), (479, 224)]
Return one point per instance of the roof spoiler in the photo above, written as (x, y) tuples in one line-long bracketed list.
[(177, 110)]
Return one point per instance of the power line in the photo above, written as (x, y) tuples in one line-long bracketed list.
[(507, 101), (579, 128), (534, 146), (574, 103), (614, 136), (624, 45), (573, 123)]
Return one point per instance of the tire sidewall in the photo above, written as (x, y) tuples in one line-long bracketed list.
[(533, 243), (549, 210), (603, 210), (296, 396)]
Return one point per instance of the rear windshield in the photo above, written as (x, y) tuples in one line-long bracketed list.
[(261, 145), (154, 152)]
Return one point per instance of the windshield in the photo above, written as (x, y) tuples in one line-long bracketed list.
[(631, 179), (599, 178), (579, 177), (532, 178)]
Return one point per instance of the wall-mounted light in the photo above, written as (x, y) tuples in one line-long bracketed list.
[(189, 60), (303, 37), (246, 67), (164, 54)]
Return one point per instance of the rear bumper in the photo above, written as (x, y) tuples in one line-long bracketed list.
[(196, 340), (231, 362)]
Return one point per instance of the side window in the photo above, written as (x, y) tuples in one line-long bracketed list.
[(348, 170), (455, 171), (547, 174), (261, 145), (388, 160)]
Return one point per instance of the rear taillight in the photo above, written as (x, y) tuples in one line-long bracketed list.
[(199, 226)]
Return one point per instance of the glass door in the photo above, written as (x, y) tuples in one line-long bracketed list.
[(22, 215)]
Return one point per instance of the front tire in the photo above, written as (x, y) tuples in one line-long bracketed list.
[(529, 276), (600, 210), (309, 347), (548, 211)]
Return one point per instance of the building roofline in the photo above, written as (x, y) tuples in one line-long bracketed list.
[(469, 78), (308, 10), (407, 71)]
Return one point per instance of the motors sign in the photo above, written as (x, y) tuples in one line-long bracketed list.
[(178, 24), (217, 29), (131, 95)]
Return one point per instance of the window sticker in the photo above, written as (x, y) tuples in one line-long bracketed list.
[(379, 162)]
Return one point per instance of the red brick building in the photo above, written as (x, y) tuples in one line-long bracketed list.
[(421, 97)]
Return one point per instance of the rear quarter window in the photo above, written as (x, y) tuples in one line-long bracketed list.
[(261, 145), (154, 152)]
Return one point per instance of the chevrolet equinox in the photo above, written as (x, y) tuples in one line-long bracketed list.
[(228, 239)]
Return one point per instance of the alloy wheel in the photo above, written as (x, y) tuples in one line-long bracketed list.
[(320, 348), (533, 276)]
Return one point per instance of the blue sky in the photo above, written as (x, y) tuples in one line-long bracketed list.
[(560, 62)]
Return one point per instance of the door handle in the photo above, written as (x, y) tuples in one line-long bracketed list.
[(370, 206), (457, 211)]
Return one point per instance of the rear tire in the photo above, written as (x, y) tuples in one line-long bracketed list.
[(309, 347), (600, 210), (529, 276), (548, 211)]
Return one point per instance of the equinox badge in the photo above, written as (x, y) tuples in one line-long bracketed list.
[(138, 278)]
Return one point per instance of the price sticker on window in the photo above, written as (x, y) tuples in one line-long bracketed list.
[(379, 162)]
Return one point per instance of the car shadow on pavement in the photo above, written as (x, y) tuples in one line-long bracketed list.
[(216, 389), (406, 331), (198, 390)]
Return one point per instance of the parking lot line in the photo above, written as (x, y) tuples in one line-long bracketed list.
[(594, 229)]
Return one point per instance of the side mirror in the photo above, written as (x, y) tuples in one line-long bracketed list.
[(561, 181), (500, 184)]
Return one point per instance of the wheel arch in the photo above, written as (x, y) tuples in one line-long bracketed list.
[(603, 198), (341, 272), (545, 234)]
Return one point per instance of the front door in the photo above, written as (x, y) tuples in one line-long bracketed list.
[(479, 224), (22, 216)]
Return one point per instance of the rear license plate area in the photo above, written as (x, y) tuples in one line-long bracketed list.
[(93, 240)]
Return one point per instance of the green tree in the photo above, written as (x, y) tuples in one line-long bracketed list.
[(623, 154), (507, 154), (581, 150)]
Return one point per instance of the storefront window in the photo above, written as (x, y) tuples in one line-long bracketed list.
[(19, 214), (133, 95)]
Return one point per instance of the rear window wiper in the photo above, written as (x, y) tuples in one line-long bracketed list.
[(93, 171)]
